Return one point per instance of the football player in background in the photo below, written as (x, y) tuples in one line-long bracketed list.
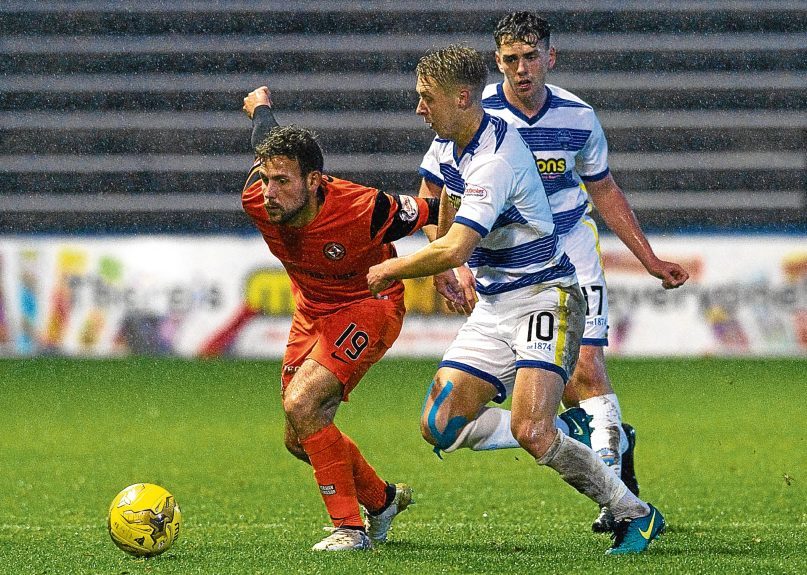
[(571, 153), (523, 335), (327, 232)]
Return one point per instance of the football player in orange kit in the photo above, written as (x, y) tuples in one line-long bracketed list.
[(327, 233)]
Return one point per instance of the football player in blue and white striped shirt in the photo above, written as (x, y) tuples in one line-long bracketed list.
[(571, 153), (522, 337)]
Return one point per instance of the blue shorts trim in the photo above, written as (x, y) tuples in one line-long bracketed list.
[(543, 365), (595, 341), (491, 379)]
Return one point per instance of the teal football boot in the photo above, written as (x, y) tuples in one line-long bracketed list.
[(634, 536), (578, 421)]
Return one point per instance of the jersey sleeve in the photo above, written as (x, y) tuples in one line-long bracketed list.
[(430, 166), (396, 216), (487, 189), (253, 176), (263, 120), (592, 160)]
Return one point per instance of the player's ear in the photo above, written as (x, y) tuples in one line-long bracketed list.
[(464, 99), (552, 56), (499, 63), (313, 180)]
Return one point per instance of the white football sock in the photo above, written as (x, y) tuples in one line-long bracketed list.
[(491, 430), (608, 439), (581, 468)]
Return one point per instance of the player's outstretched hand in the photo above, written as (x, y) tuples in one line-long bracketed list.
[(377, 280), (447, 286), (258, 97), (671, 274), (458, 289)]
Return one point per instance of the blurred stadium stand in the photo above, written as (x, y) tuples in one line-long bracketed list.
[(125, 116)]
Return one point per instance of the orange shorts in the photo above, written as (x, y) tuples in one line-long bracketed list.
[(346, 342)]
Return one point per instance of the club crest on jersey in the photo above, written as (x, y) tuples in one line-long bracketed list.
[(564, 138), (409, 209), (334, 251), (475, 192)]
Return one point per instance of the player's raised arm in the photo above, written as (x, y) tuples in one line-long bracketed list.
[(612, 204), (258, 107)]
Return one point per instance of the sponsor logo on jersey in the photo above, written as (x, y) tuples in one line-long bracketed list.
[(334, 251), (409, 209), (475, 192), (551, 165)]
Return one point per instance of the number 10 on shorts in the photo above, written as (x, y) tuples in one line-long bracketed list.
[(541, 327)]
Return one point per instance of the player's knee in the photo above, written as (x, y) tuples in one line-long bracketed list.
[(425, 432), (294, 447), (297, 406), (437, 425), (534, 436)]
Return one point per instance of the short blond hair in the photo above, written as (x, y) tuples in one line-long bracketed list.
[(455, 65)]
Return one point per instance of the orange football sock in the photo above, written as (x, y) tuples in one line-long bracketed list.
[(370, 488), (331, 459)]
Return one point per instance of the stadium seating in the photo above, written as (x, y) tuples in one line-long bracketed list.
[(125, 116)]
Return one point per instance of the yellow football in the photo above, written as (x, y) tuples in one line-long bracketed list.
[(144, 519)]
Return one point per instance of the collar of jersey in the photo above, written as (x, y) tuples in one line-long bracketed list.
[(519, 113), (474, 143)]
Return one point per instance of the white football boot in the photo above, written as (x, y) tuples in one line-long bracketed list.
[(379, 525), (342, 539)]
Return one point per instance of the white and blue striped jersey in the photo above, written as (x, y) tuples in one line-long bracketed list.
[(568, 144), (498, 192)]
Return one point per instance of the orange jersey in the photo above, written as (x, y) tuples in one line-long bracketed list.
[(328, 259)]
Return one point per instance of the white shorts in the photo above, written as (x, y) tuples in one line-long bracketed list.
[(582, 245), (536, 326)]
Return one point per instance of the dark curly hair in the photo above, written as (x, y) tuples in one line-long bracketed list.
[(295, 143), (522, 27)]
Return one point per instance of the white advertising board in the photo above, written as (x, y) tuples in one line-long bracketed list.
[(204, 296)]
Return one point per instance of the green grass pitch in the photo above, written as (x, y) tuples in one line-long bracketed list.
[(722, 451)]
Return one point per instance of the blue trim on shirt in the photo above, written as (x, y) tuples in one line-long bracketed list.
[(540, 139), (595, 177), (565, 221), (429, 177), (529, 253), (510, 216), (474, 143), (483, 375), (563, 269), (518, 113), (452, 179), (473, 225), (500, 128)]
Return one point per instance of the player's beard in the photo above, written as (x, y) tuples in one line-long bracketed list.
[(286, 214)]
